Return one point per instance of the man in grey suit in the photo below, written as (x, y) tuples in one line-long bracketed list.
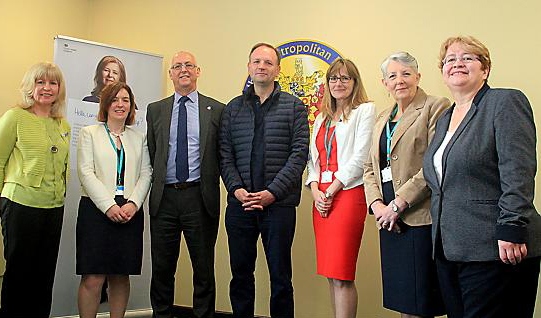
[(183, 140)]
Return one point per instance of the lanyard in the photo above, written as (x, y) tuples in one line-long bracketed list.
[(328, 141), (389, 133), (119, 161)]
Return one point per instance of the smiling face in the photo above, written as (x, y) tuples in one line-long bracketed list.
[(120, 107), (339, 90), (110, 73), (401, 82), (184, 73), (463, 76), (263, 66), (45, 92)]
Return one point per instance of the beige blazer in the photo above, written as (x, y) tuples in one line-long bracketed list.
[(408, 145), (96, 166)]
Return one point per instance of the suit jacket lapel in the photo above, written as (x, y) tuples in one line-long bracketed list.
[(458, 132), (439, 135), (410, 115), (166, 119), (378, 130), (205, 111)]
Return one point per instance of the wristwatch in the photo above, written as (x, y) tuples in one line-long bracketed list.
[(394, 207), (328, 195)]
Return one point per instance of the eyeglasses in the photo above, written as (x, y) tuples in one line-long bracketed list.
[(466, 59), (188, 66), (344, 79)]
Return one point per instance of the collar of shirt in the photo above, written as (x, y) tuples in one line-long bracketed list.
[(193, 96), (250, 96)]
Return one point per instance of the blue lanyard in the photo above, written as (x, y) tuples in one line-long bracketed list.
[(119, 161), (389, 133), (328, 141)]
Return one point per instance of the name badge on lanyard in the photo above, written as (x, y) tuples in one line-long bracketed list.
[(326, 176), (386, 174), (119, 190), (119, 165)]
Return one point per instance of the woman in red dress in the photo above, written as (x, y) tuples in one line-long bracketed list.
[(339, 147)]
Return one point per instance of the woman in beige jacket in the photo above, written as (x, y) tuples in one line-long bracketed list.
[(396, 191), (115, 173)]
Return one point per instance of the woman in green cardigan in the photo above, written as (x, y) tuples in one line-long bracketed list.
[(33, 172)]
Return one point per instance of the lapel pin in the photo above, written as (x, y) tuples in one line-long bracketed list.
[(209, 108)]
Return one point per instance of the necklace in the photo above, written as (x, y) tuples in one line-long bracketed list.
[(114, 133)]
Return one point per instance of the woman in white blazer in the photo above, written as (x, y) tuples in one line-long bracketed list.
[(115, 173), (339, 147)]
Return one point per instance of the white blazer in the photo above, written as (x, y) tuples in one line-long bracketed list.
[(353, 145), (96, 166)]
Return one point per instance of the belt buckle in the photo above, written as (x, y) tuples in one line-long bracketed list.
[(180, 186)]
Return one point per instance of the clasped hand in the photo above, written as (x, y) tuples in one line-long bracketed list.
[(385, 217), (322, 204), (122, 214), (254, 200)]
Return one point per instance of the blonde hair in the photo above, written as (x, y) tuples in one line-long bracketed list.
[(46, 71), (471, 45), (358, 95)]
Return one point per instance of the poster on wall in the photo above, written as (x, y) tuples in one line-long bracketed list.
[(87, 67)]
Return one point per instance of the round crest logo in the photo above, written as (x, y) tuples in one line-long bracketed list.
[(303, 67)]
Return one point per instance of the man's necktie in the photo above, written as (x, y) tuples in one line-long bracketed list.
[(182, 141)]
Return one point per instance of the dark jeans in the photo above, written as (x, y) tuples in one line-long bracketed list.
[(182, 211), (31, 242), (277, 228), (488, 289)]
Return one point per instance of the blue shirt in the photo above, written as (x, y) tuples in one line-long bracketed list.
[(194, 163)]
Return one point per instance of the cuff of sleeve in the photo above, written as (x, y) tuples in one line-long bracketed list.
[(370, 211), (511, 233), (106, 206), (235, 188), (136, 205), (273, 192)]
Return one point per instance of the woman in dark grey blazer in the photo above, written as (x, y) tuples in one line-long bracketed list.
[(481, 167)]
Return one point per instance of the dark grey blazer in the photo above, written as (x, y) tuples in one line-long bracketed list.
[(487, 186), (158, 124)]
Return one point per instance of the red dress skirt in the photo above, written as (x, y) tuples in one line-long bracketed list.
[(338, 236)]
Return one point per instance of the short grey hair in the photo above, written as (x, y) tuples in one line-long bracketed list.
[(403, 58)]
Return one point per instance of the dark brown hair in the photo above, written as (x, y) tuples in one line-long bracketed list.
[(108, 95)]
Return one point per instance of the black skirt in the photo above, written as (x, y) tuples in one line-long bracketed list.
[(105, 247), (410, 282)]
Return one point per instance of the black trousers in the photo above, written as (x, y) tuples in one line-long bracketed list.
[(488, 289), (183, 212), (31, 242), (276, 225)]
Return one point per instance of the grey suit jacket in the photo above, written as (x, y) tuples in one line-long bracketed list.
[(487, 187), (158, 124)]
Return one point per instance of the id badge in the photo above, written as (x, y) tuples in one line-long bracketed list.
[(386, 175), (326, 176), (119, 190)]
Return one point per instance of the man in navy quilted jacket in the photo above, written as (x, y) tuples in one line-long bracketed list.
[(263, 149)]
